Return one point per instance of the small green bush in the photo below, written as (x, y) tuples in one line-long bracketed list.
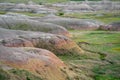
[(61, 13)]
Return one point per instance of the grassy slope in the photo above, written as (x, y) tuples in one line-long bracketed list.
[(16, 74), (102, 56), (101, 16), (25, 13)]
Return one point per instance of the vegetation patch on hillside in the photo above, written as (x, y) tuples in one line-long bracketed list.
[(106, 17), (101, 58)]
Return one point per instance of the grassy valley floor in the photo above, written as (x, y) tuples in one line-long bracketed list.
[(105, 17), (101, 58)]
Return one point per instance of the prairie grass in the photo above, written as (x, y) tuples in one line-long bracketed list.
[(106, 17), (101, 58)]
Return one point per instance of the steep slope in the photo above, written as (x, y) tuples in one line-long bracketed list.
[(56, 43), (19, 60), (39, 62)]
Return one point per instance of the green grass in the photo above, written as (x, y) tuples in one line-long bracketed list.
[(98, 41), (109, 48), (25, 13), (92, 0), (5, 75), (84, 0), (102, 42), (101, 58), (2, 12), (25, 75), (108, 72), (100, 16), (16, 74), (32, 14), (96, 37)]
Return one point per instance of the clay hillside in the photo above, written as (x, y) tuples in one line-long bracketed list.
[(59, 40)]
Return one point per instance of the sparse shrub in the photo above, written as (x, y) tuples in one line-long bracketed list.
[(20, 27), (40, 3), (27, 78), (3, 42), (2, 12), (24, 75), (61, 13)]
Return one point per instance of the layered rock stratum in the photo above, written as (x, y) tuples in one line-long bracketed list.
[(72, 23), (22, 22), (18, 52), (56, 43), (114, 26)]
